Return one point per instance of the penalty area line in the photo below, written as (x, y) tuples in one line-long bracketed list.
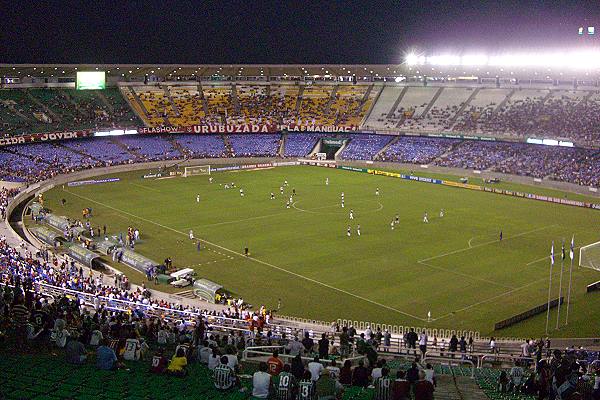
[(255, 259), (486, 243)]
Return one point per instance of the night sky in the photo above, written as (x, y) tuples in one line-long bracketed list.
[(339, 32)]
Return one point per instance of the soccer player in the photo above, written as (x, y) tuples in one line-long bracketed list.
[(210, 179), (383, 386), (500, 234), (291, 199), (281, 189), (293, 191), (287, 204), (442, 213), (397, 220), (198, 246), (392, 224), (358, 230), (342, 195), (351, 214), (326, 181), (348, 232), (191, 234), (377, 192), (285, 183), (242, 192), (272, 196), (426, 218), (197, 198), (342, 203)]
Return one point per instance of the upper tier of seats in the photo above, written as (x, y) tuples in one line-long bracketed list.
[(24, 111), (502, 112)]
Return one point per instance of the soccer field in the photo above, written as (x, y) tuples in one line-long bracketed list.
[(454, 266)]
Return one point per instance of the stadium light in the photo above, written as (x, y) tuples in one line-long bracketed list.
[(571, 60)]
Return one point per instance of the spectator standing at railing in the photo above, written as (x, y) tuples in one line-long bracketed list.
[(323, 346), (308, 343), (411, 340), (423, 343)]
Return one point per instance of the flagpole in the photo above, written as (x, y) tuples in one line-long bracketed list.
[(550, 286), (572, 256), (562, 264)]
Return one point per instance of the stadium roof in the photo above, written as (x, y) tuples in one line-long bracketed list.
[(173, 71)]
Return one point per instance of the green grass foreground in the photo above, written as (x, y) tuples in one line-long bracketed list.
[(454, 266)]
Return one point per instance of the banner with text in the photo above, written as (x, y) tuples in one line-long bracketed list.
[(44, 137), (246, 128)]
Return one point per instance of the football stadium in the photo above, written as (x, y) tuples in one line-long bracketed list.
[(428, 228)]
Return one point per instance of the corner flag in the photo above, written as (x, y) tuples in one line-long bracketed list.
[(571, 253), (552, 253), (563, 251)]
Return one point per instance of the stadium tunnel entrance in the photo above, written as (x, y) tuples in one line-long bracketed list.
[(331, 147)]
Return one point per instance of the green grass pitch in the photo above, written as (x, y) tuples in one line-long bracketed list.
[(454, 266)]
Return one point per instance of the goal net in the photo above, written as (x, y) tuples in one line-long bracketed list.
[(589, 256), (197, 170)]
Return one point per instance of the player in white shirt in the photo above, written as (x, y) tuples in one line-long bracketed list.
[(358, 230), (197, 198), (281, 189), (348, 232), (291, 199), (342, 203), (397, 220), (326, 181), (210, 179), (392, 224), (287, 204), (351, 214), (242, 192), (442, 213), (342, 195), (272, 196), (377, 192), (191, 234), (285, 183), (426, 218)]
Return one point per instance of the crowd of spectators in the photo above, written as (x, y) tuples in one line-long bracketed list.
[(39, 161)]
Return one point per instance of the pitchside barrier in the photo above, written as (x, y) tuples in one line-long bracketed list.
[(527, 314), (263, 352)]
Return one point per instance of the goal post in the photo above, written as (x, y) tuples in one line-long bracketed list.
[(589, 256), (196, 170)]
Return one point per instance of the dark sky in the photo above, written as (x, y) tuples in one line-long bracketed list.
[(362, 32)]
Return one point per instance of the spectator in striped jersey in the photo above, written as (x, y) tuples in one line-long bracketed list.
[(286, 384), (383, 386), (20, 316), (306, 387), (224, 377)]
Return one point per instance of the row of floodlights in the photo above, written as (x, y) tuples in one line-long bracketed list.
[(582, 60)]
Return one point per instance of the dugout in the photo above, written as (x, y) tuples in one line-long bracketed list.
[(57, 222), (86, 257), (106, 247), (47, 236), (135, 260), (35, 209), (206, 290)]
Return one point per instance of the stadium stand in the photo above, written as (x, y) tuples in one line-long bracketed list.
[(364, 147)]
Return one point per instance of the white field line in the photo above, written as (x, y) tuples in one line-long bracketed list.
[(486, 243), (311, 210), (144, 187), (464, 275), (470, 240), (256, 260), (491, 298), (259, 217)]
